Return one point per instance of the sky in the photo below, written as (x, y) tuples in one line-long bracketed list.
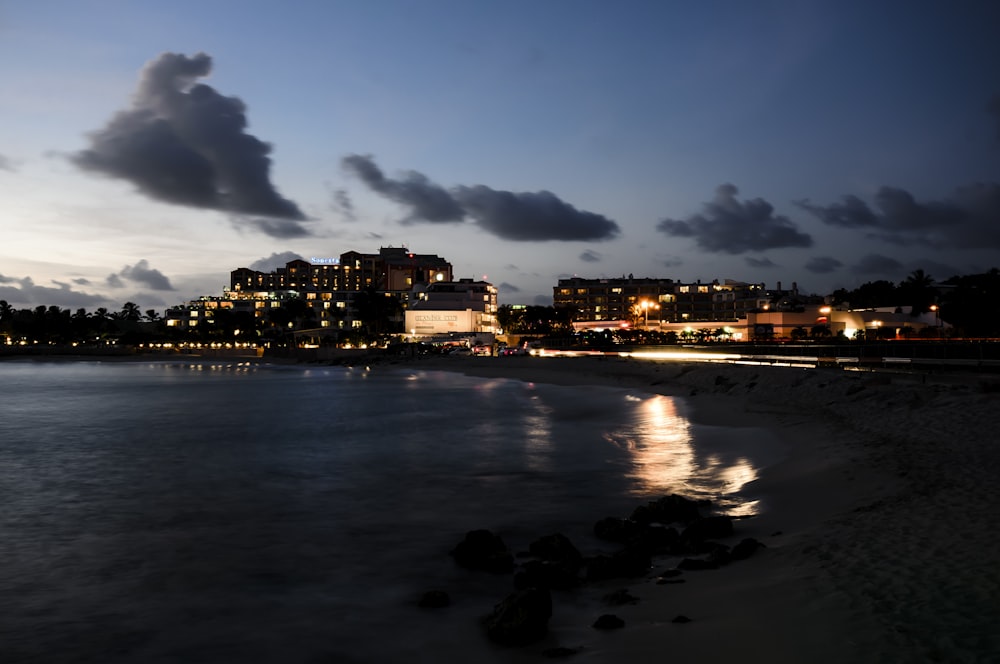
[(147, 149)]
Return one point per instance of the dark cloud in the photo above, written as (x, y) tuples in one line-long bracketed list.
[(81, 281), (734, 227), (759, 262), (341, 204), (182, 142), (6, 164), (672, 261), (114, 281), (518, 216), (281, 229), (590, 256), (274, 261), (877, 264), (966, 219), (147, 276), (823, 265), (532, 216), (427, 201), (27, 294), (509, 288)]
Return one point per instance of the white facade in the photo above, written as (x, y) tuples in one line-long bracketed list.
[(454, 306)]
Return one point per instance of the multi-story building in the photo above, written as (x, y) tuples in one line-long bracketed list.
[(610, 299), (453, 307), (328, 285), (646, 300)]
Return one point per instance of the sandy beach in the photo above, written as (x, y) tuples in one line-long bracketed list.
[(878, 525)]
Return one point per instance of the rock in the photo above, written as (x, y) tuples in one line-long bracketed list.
[(670, 509), (521, 618), (434, 599), (555, 548), (709, 527), (613, 529), (609, 621), (620, 598), (482, 550), (746, 548)]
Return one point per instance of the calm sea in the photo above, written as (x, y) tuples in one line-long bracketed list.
[(229, 512)]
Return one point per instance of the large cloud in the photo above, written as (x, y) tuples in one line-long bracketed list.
[(518, 216), (966, 219), (182, 142), (734, 227), (274, 261), (143, 274)]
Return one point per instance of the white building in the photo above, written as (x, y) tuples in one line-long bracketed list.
[(449, 307)]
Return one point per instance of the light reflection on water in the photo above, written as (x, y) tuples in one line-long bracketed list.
[(661, 445)]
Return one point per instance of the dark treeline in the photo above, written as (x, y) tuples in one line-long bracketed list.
[(968, 303)]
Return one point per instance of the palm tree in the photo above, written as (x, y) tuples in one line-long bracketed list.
[(918, 291), (130, 311)]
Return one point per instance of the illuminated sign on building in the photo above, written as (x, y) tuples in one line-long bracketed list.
[(429, 318), (324, 261)]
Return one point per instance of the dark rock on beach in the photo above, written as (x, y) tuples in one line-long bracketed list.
[(609, 621), (483, 550), (521, 618)]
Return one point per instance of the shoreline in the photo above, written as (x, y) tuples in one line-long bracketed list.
[(883, 473)]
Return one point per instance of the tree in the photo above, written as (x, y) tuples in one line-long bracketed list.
[(130, 311), (918, 291)]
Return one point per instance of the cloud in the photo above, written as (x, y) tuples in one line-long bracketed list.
[(181, 142), (672, 261), (81, 281), (274, 261), (427, 201), (517, 216), (114, 281), (6, 164), (149, 277), (759, 262), (966, 219), (27, 293), (341, 204), (823, 265), (509, 288), (729, 226), (281, 229), (531, 216), (877, 264), (589, 256)]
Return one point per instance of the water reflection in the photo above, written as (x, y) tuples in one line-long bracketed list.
[(664, 459)]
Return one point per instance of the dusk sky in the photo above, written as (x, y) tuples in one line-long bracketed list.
[(148, 149)]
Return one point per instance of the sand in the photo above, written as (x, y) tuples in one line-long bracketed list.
[(880, 523)]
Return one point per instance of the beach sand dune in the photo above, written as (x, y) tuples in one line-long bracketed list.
[(880, 525)]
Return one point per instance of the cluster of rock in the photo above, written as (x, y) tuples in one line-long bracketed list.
[(552, 562)]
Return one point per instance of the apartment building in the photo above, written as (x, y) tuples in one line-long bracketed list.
[(329, 286)]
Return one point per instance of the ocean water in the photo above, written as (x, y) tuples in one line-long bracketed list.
[(231, 512)]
